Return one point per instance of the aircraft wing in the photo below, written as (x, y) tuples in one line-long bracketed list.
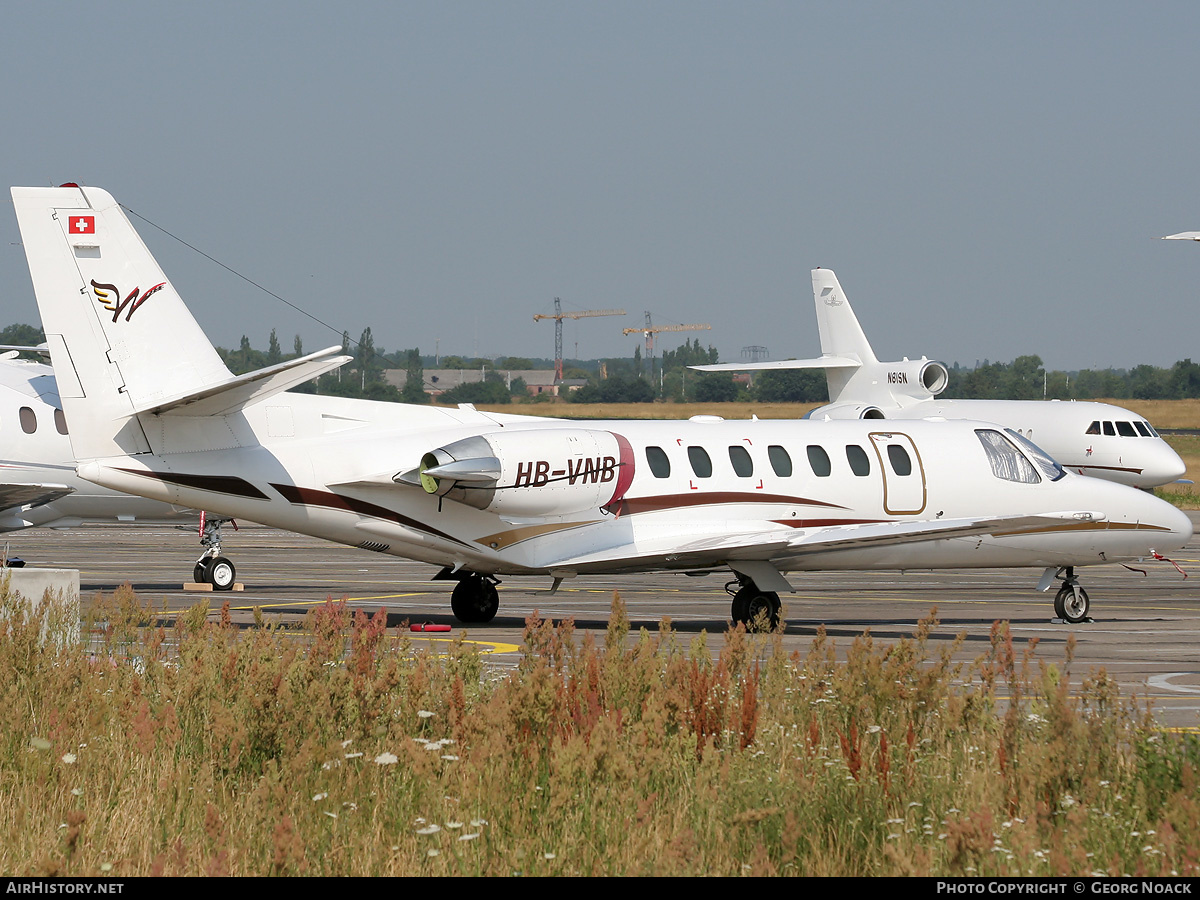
[(822, 362), (13, 496), (788, 544)]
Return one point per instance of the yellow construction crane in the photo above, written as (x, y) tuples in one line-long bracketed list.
[(558, 316), (650, 329)]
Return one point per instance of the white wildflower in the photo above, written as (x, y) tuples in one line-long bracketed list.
[(468, 837), (68, 758), (387, 759), (317, 798), (424, 714), (429, 829)]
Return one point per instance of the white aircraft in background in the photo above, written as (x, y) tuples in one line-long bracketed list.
[(154, 412), (1096, 439), (38, 483), (1182, 236)]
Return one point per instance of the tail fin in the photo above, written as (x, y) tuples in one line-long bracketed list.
[(119, 334), (122, 341), (841, 335)]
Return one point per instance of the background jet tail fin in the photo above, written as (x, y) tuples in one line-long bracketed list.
[(120, 337), (841, 335)]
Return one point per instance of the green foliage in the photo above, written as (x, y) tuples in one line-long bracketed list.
[(615, 389), (791, 386), (194, 747), (477, 392), (24, 336)]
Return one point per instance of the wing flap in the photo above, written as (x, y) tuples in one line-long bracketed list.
[(13, 496)]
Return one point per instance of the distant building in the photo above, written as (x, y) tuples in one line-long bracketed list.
[(438, 381)]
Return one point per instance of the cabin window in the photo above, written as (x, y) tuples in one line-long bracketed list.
[(701, 464), (1006, 460), (28, 420), (818, 459), (1108, 429), (900, 460), (1094, 428), (1125, 429), (860, 463), (1044, 461), (781, 462), (60, 421), (743, 465), (660, 465), (1143, 429)]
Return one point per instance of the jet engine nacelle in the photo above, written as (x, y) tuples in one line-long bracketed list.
[(540, 472), (920, 379)]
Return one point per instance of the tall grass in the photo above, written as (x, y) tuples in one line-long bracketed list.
[(188, 746)]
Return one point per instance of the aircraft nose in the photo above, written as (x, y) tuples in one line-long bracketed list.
[(1177, 524), (1164, 467)]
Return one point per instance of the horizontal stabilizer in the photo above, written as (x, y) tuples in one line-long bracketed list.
[(243, 390), (823, 362), (30, 495)]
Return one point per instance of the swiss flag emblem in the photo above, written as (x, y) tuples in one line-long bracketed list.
[(83, 225)]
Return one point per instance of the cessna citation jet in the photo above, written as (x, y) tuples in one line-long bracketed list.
[(154, 412), (1095, 439), (38, 484)]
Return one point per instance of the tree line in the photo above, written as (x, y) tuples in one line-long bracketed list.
[(637, 380)]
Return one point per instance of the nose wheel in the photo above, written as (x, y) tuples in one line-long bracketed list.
[(1071, 603)]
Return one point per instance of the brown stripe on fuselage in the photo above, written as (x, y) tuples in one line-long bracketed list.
[(303, 496), (633, 505), (823, 523), (217, 484), (1103, 468)]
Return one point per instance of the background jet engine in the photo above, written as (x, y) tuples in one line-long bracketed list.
[(543, 472), (920, 379)]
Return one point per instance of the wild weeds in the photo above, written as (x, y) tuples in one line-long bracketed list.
[(190, 746)]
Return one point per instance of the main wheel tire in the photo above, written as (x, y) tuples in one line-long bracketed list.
[(762, 611), (474, 601), (1075, 605), (200, 573), (221, 574), (739, 609)]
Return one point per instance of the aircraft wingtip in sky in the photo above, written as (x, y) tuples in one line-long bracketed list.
[(153, 411)]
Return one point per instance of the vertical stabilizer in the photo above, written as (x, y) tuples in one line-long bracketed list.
[(841, 335), (120, 337)]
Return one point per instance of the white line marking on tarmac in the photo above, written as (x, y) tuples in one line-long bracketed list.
[(1162, 682)]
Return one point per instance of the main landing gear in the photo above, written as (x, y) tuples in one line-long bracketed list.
[(1071, 603), (213, 568), (474, 599), (755, 609)]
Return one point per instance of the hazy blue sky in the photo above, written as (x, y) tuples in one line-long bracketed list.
[(987, 180)]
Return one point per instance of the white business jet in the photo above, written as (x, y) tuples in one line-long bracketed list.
[(38, 483), (1096, 439), (154, 411)]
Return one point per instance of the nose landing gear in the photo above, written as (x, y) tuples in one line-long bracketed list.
[(1071, 603)]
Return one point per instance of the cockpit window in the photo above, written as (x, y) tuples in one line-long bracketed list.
[(1108, 429), (1094, 428), (1125, 429), (1143, 429), (1047, 463), (1006, 460)]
